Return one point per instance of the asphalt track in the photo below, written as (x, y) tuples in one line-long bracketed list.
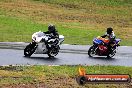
[(69, 55)]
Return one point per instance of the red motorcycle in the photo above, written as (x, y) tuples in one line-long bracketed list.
[(100, 48)]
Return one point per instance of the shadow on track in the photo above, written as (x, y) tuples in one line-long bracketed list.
[(102, 58), (42, 58)]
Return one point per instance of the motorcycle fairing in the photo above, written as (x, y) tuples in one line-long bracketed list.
[(97, 41), (118, 40), (41, 49), (104, 40), (103, 50)]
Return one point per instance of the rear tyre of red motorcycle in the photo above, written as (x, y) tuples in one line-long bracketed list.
[(111, 54)]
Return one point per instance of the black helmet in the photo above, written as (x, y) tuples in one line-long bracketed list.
[(51, 28), (109, 30)]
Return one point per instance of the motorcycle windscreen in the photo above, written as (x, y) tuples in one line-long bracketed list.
[(38, 39), (38, 36)]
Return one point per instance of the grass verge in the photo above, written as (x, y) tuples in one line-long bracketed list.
[(55, 76), (78, 20)]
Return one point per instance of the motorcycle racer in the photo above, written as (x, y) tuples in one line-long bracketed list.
[(52, 32), (111, 36)]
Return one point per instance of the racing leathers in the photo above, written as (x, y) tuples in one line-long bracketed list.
[(111, 38), (52, 35)]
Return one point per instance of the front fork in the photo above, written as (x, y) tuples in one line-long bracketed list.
[(95, 48), (33, 44)]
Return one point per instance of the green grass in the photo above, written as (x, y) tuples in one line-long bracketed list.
[(98, 2), (14, 29), (63, 76), (78, 20), (18, 30)]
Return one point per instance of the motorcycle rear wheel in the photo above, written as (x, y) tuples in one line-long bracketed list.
[(53, 52), (112, 53)]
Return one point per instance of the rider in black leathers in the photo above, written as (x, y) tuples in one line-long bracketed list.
[(53, 32), (111, 36)]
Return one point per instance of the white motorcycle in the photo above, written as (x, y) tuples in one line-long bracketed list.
[(43, 44)]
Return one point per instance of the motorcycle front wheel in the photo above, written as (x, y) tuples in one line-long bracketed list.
[(29, 50), (92, 51)]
